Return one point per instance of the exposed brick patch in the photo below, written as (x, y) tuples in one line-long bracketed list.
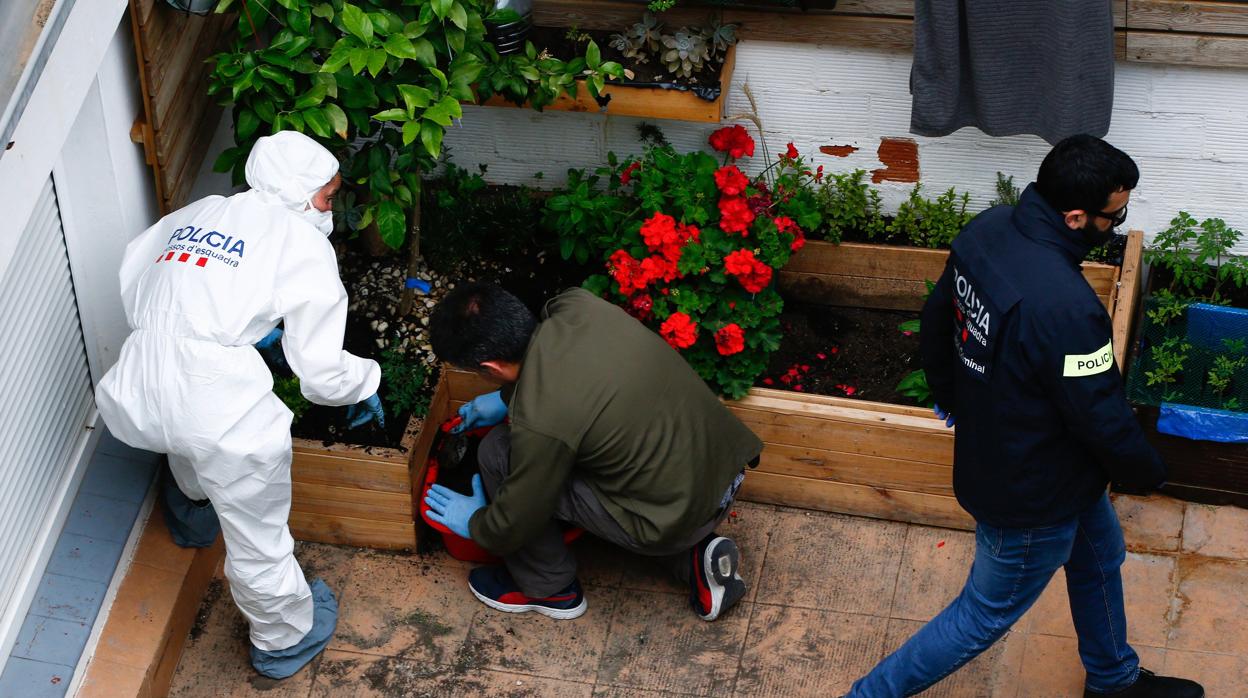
[(840, 151), (900, 157)]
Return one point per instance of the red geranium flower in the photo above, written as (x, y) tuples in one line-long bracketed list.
[(658, 267), (733, 140), (735, 215), (626, 271), (791, 153), (751, 273), (640, 307), (659, 231), (759, 204), (730, 339), (679, 330), (819, 174), (627, 174), (730, 180)]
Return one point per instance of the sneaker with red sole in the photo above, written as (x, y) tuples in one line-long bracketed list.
[(495, 588), (715, 585)]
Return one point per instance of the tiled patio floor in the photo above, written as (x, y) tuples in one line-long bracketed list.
[(830, 596)]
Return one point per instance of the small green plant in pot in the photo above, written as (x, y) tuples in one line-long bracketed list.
[(378, 82)]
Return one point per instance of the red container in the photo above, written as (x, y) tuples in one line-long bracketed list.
[(462, 548)]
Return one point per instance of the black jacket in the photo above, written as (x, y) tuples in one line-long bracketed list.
[(1017, 345)]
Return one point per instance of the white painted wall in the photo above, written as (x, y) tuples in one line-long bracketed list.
[(1186, 127)]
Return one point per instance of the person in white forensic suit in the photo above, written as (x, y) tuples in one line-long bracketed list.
[(200, 287)]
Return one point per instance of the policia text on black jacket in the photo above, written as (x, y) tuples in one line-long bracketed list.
[(1017, 345)]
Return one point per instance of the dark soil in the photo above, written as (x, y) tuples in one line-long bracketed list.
[(847, 352), (652, 73), (534, 275)]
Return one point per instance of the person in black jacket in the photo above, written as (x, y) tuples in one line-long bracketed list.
[(1018, 350)]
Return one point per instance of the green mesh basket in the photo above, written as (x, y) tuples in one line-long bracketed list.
[(1201, 334)]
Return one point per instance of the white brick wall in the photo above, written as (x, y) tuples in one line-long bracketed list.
[(1186, 127)]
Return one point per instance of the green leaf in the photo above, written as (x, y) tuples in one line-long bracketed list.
[(222, 7), (225, 161), (442, 8), (264, 109), (456, 38), (395, 114), (248, 122), (593, 55), (278, 76), (288, 4), (411, 131), (358, 23), (400, 46), (299, 20), (337, 119), (425, 53), (323, 10), (441, 76), (415, 30), (330, 83), (338, 56), (446, 109), (376, 61), (314, 96), (359, 59), (296, 48), (391, 223), (431, 137), (459, 16), (296, 120), (381, 23), (317, 121), (415, 97)]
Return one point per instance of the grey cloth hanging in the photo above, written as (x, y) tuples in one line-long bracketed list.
[(1013, 66)]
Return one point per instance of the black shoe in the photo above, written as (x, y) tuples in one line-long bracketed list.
[(714, 582), (495, 588), (1150, 685)]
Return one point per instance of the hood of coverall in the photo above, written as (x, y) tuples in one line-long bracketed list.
[(290, 167)]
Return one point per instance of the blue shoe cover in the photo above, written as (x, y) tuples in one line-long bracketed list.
[(280, 664), (192, 525)]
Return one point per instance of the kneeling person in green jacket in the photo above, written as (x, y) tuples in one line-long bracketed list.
[(610, 430)]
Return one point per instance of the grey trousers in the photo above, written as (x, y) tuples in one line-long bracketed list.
[(546, 566)]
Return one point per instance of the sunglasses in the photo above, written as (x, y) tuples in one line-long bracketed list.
[(1118, 217)]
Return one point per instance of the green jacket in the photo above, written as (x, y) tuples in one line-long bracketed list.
[(602, 398)]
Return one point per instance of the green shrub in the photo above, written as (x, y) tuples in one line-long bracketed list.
[(848, 204), (405, 381), (931, 223), (287, 390)]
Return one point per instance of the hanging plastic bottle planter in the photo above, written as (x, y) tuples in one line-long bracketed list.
[(508, 26)]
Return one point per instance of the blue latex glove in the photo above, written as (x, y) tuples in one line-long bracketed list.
[(271, 347), (454, 510), (941, 414), (483, 411), (362, 413)]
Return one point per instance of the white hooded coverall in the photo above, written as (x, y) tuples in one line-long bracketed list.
[(199, 288)]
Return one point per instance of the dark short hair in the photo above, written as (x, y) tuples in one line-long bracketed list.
[(1082, 171), (478, 322)]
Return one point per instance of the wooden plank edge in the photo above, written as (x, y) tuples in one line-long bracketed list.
[(1128, 296), (855, 500), (344, 530)]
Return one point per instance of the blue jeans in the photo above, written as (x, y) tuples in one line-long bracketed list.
[(1012, 567)]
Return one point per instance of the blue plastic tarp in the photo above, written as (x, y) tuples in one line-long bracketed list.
[(1203, 424)]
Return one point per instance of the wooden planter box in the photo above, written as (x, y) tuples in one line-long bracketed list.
[(651, 102), (836, 454), (356, 495), (871, 458)]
